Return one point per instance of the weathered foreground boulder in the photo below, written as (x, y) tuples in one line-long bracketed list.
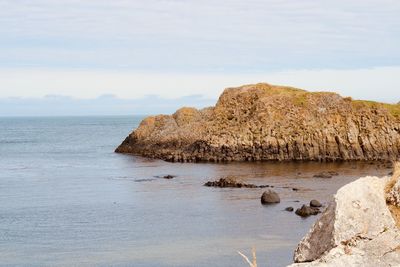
[(357, 229), (266, 122)]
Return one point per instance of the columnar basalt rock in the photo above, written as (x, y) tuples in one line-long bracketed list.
[(266, 122)]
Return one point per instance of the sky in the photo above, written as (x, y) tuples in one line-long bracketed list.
[(168, 51)]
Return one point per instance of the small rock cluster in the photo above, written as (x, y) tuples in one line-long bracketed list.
[(269, 196), (232, 182)]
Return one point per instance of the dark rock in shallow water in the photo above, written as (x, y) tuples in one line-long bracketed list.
[(328, 174), (165, 176), (269, 197), (306, 211), (289, 209), (315, 203), (322, 175), (232, 182)]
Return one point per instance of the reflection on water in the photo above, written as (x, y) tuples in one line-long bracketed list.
[(66, 199)]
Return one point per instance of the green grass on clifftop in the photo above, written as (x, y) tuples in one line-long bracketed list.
[(393, 109)]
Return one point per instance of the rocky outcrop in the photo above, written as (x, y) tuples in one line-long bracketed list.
[(266, 122), (233, 183), (357, 229)]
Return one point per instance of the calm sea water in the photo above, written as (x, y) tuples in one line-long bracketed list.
[(67, 200)]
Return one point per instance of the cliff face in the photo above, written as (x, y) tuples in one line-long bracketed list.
[(266, 122)]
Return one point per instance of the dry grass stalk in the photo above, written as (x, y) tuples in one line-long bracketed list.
[(395, 177), (394, 209), (251, 263)]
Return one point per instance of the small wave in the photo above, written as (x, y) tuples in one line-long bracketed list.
[(16, 168), (17, 141), (133, 179), (144, 180)]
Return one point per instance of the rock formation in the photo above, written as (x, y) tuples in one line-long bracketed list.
[(266, 122), (357, 229)]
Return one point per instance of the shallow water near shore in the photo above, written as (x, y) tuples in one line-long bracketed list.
[(66, 199)]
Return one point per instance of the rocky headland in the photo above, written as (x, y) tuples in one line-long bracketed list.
[(267, 122)]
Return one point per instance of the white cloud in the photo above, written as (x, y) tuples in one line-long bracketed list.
[(171, 48), (200, 35)]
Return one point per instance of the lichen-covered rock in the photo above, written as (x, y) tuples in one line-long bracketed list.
[(266, 122), (357, 229)]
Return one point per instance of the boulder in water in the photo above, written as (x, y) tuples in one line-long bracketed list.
[(270, 197)]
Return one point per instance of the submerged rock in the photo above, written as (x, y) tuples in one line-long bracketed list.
[(168, 176), (267, 122), (306, 211), (328, 174), (270, 197), (357, 229), (290, 209)]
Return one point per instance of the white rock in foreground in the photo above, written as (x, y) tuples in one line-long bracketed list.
[(357, 229)]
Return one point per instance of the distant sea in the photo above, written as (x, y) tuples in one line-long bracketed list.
[(66, 199)]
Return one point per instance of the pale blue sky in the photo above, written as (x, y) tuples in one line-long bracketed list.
[(174, 48)]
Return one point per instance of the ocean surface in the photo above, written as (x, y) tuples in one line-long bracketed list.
[(66, 199)]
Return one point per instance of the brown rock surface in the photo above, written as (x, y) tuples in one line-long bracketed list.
[(266, 122)]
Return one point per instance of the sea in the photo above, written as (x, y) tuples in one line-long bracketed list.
[(66, 199)]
